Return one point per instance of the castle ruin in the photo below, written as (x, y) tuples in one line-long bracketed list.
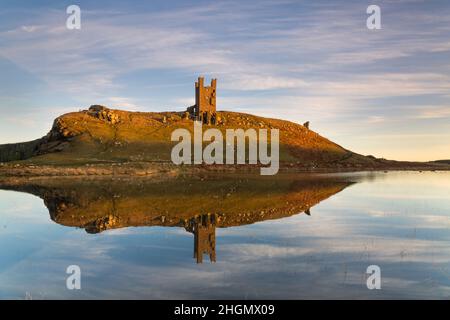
[(204, 109)]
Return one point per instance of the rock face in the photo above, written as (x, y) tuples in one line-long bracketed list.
[(105, 114), (18, 151), (59, 137), (55, 141)]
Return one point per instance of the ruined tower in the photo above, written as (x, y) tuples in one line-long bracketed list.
[(205, 102)]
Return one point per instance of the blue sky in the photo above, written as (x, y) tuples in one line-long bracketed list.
[(382, 92)]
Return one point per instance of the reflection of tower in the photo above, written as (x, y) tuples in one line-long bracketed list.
[(204, 229)]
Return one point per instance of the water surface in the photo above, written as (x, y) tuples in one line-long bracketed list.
[(293, 237)]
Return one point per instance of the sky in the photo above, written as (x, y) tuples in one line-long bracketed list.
[(381, 92)]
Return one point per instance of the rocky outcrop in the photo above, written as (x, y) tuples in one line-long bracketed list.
[(59, 137), (55, 141), (102, 224), (104, 114)]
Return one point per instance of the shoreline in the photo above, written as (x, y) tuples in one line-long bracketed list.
[(152, 169)]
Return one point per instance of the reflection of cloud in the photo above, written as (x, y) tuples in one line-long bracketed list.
[(253, 252), (29, 28), (381, 214), (20, 205)]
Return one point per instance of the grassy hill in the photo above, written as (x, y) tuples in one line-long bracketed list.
[(118, 136), (105, 136)]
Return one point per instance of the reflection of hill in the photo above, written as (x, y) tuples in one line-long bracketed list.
[(101, 204), (197, 204)]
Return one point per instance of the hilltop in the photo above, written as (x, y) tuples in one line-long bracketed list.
[(106, 141)]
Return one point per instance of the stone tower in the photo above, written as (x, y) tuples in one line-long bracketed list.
[(205, 102)]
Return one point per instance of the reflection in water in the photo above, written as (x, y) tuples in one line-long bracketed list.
[(198, 205), (204, 229), (133, 238)]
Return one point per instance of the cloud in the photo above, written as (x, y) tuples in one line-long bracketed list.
[(249, 82), (113, 44), (434, 112), (389, 85), (122, 102), (375, 119), (26, 121)]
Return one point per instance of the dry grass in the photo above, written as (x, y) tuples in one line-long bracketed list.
[(146, 137)]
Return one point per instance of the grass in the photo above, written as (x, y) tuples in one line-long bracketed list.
[(145, 137)]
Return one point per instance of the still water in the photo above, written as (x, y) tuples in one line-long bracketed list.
[(292, 237)]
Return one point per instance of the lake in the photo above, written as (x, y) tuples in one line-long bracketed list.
[(309, 236)]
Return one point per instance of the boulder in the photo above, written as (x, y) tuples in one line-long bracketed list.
[(104, 114)]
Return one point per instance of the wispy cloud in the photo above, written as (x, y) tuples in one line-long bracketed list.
[(433, 112)]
